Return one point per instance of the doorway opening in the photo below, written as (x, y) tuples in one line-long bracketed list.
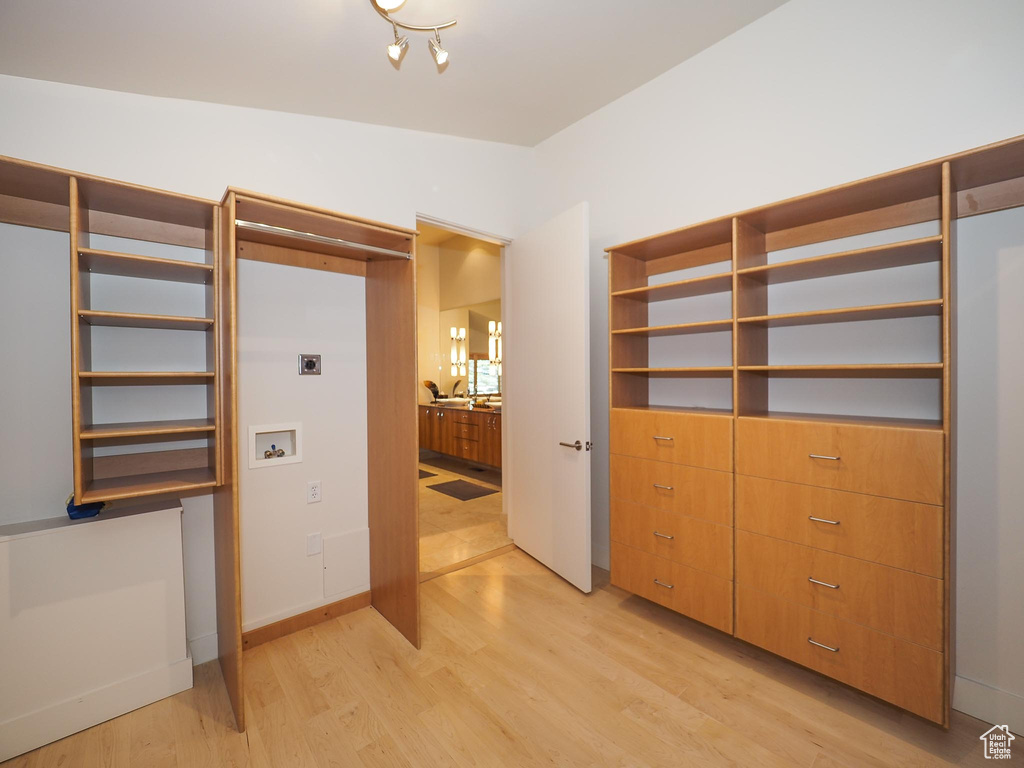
[(460, 344)]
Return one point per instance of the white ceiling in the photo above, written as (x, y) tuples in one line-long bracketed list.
[(520, 70)]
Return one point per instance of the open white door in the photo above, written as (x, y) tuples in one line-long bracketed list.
[(546, 394)]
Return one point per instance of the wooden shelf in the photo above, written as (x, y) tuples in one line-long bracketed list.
[(675, 409), (832, 418), (870, 371), (175, 481), (147, 428), (705, 371), (133, 320), (145, 377), (148, 267), (680, 289), (709, 326), (931, 308), (921, 251)]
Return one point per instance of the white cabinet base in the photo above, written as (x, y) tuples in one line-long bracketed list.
[(92, 621)]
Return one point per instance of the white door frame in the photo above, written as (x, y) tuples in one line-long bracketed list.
[(506, 432)]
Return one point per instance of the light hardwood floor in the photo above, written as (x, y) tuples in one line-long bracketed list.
[(452, 531), (519, 669)]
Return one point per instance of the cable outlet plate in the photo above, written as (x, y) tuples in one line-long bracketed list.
[(309, 365)]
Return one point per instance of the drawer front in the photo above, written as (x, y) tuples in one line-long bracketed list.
[(903, 534), (697, 543), (466, 431), (703, 493), (883, 461), (463, 417), (467, 449), (693, 593), (905, 674), (698, 440), (900, 603)]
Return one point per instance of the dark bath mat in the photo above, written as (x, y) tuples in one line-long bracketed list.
[(462, 490), (424, 473)]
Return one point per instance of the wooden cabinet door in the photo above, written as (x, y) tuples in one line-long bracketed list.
[(424, 426), (444, 436), (496, 441)]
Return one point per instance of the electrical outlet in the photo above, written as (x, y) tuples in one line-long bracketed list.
[(314, 493), (314, 544)]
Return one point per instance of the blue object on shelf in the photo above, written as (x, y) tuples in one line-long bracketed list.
[(78, 511)]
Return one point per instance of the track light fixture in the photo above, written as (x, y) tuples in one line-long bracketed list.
[(397, 48)]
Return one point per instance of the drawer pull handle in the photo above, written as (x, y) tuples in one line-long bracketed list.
[(664, 487), (823, 583), (819, 456), (659, 437), (822, 645), (663, 584), (822, 520), (663, 535)]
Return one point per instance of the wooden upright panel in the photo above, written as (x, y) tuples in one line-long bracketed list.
[(949, 216), (391, 379), (81, 392), (225, 497)]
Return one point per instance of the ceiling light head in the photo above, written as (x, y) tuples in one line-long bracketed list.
[(396, 48), (440, 54), (389, 5)]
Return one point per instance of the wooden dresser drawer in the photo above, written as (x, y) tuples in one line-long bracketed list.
[(899, 463), (903, 534), (696, 439), (889, 600), (903, 673), (693, 593), (703, 493), (697, 543), (463, 417)]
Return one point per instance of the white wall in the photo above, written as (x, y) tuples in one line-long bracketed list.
[(35, 405), (200, 149), (990, 526), (428, 304), (282, 312), (816, 93)]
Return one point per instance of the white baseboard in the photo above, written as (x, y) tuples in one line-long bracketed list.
[(992, 705), (35, 729), (203, 649)]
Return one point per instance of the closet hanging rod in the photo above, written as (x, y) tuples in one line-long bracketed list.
[(314, 238)]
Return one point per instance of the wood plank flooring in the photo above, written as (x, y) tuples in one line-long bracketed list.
[(518, 669)]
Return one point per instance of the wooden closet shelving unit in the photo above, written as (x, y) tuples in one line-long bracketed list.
[(757, 488), (129, 459), (244, 225)]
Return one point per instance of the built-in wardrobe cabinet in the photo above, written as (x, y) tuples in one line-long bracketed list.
[(822, 533), (129, 453)]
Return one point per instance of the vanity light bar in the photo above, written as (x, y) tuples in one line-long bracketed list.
[(314, 238)]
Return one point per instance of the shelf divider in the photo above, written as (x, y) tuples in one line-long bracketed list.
[(149, 267), (708, 326), (929, 308)]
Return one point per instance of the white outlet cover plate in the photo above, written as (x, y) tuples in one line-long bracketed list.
[(314, 492)]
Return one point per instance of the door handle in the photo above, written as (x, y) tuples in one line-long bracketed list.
[(577, 445), (820, 456), (822, 583)]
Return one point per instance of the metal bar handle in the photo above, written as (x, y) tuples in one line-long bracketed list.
[(826, 458), (664, 487), (663, 584), (577, 445), (823, 583), (661, 437), (822, 520), (663, 535), (822, 645)]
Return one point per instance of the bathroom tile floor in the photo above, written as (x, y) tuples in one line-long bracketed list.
[(452, 531)]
